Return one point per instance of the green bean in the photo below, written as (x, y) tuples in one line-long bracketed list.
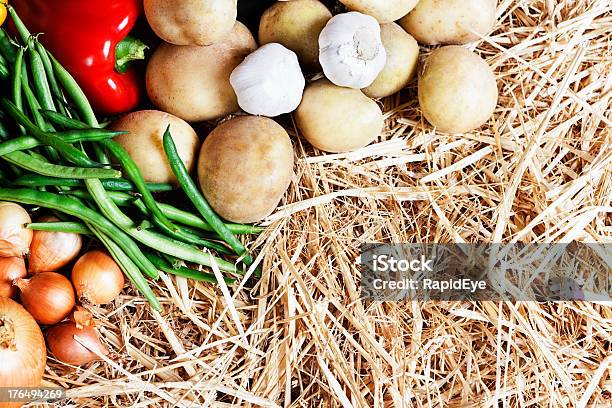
[(24, 161), (200, 203), (39, 77), (17, 144), (35, 180), (63, 120), (161, 264), (195, 236), (71, 153), (34, 106), (17, 97), (24, 73), (27, 142), (126, 185), (55, 89), (74, 92), (128, 267), (25, 35), (100, 154), (175, 214), (72, 206), (133, 173), (76, 126), (92, 134), (192, 220), (66, 122), (40, 121), (7, 48), (120, 198), (72, 227), (148, 238), (192, 236)]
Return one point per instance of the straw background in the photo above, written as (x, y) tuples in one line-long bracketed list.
[(539, 170)]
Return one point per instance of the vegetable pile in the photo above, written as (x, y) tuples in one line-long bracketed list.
[(83, 186), (109, 187)]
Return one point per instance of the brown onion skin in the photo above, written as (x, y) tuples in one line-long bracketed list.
[(64, 347), (10, 269), (50, 251), (97, 279), (22, 348), (48, 296), (15, 238)]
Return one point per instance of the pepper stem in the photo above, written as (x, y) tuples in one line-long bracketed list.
[(130, 49)]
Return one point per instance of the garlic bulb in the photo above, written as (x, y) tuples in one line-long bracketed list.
[(269, 82), (351, 51)]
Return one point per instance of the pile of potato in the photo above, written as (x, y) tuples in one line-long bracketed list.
[(210, 66)]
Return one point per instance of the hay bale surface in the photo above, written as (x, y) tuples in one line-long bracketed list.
[(538, 171)]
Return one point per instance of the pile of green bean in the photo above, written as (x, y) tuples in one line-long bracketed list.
[(55, 155)]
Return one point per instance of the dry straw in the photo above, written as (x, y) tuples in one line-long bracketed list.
[(538, 171)]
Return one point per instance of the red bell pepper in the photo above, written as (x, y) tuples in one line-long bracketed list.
[(83, 36)]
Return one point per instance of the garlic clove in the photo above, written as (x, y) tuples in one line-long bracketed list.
[(269, 82), (351, 51)]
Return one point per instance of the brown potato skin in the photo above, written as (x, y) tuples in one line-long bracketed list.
[(144, 143), (191, 22), (385, 11), (337, 119), (192, 82), (402, 59), (245, 167), (444, 21), (296, 24), (457, 90)]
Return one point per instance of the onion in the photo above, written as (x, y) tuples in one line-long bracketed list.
[(50, 251), (48, 296), (76, 351), (15, 238), (10, 269), (22, 348), (97, 278)]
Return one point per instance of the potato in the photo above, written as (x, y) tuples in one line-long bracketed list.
[(192, 82), (457, 90), (144, 143), (402, 57), (450, 21), (245, 167), (191, 22), (337, 119), (385, 11), (296, 24)]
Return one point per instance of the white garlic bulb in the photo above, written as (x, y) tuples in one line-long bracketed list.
[(269, 82), (351, 51)]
